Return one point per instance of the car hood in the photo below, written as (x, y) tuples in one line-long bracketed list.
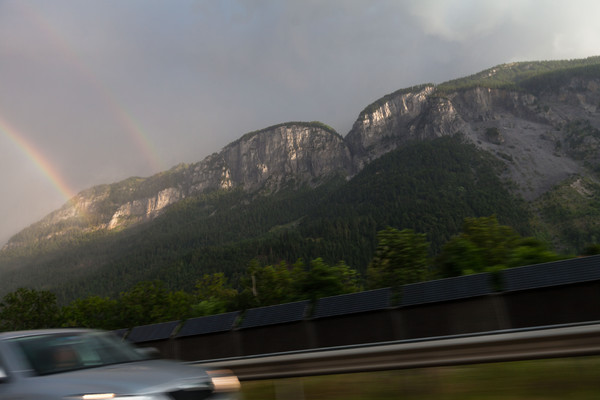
[(151, 376)]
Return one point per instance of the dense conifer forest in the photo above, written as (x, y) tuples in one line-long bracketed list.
[(429, 187)]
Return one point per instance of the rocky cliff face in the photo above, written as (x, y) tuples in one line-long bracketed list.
[(528, 131), (543, 134), (296, 153), (268, 158), (388, 124)]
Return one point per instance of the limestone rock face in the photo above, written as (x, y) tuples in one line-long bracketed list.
[(272, 157), (525, 130), (426, 114), (388, 124), (296, 153), (543, 135), (144, 209)]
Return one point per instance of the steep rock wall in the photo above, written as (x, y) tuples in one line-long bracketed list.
[(301, 153), (524, 129), (380, 130), (264, 160)]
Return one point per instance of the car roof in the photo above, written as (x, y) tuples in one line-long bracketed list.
[(37, 332)]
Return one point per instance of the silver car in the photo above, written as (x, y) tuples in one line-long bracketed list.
[(70, 364)]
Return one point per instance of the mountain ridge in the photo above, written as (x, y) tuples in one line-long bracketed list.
[(539, 120), (416, 113)]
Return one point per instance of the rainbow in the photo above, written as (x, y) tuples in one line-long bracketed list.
[(119, 111), (37, 158)]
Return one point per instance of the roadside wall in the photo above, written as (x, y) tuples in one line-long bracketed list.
[(545, 294)]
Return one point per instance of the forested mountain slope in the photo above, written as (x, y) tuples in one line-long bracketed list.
[(518, 140)]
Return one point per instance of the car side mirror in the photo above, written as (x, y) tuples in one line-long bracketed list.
[(3, 376)]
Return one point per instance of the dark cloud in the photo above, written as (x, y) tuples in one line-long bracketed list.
[(107, 89)]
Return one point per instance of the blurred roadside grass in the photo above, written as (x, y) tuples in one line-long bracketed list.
[(566, 378)]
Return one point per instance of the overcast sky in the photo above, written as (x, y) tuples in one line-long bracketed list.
[(95, 91)]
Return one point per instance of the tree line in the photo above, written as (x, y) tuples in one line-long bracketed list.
[(401, 257)]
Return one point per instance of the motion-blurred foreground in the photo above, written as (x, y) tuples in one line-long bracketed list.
[(83, 364), (566, 378)]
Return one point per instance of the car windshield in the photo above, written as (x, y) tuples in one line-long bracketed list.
[(54, 353)]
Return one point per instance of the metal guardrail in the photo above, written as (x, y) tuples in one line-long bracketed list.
[(511, 345)]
